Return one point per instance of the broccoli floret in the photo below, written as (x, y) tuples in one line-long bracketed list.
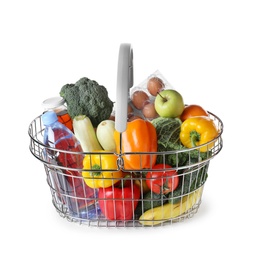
[(87, 97)]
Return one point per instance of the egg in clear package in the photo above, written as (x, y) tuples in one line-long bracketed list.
[(142, 96)]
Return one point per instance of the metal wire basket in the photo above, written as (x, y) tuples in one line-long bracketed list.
[(147, 209)]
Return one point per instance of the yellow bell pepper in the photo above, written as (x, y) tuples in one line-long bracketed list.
[(100, 169), (198, 130)]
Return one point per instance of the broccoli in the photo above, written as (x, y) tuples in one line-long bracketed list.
[(87, 97)]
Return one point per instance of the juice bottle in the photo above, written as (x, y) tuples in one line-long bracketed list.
[(63, 148), (57, 104)]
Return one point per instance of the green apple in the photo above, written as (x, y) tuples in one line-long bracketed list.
[(169, 103)]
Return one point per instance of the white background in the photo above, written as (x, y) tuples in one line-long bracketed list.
[(205, 49)]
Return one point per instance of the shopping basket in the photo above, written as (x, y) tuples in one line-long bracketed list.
[(146, 209)]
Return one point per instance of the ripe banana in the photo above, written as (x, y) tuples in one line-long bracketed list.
[(170, 211)]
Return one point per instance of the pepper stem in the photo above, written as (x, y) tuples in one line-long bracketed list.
[(96, 167), (194, 137)]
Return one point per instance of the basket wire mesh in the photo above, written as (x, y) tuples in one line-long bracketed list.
[(88, 208)]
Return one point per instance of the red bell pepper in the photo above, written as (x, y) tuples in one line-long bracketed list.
[(119, 203)]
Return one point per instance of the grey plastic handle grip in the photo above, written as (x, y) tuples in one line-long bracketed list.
[(124, 83)]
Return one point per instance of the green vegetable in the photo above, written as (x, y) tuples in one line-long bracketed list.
[(168, 138), (149, 200), (190, 180), (87, 97), (168, 132), (85, 133)]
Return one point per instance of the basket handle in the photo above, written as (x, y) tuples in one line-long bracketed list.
[(124, 83)]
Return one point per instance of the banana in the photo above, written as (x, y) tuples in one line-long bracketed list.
[(169, 211)]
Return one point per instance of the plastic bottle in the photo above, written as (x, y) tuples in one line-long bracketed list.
[(73, 191), (57, 104)]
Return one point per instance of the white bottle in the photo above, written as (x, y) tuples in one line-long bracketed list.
[(57, 104)]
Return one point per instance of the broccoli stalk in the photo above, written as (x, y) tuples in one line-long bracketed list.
[(87, 97)]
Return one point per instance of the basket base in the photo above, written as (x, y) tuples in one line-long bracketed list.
[(95, 219)]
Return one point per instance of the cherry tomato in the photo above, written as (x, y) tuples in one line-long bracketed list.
[(193, 110), (162, 181)]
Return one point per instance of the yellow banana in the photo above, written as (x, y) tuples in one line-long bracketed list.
[(169, 211)]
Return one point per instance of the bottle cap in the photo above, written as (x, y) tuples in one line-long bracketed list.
[(49, 118), (53, 102)]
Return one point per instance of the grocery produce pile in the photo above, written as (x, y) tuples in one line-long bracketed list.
[(153, 172)]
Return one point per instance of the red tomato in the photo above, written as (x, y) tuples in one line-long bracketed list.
[(163, 181), (193, 110)]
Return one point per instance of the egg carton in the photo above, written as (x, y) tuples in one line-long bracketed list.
[(142, 96)]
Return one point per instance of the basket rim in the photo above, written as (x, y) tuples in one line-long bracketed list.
[(220, 131)]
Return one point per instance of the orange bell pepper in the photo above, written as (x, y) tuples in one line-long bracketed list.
[(138, 144)]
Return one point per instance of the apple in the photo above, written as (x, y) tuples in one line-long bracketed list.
[(169, 103)]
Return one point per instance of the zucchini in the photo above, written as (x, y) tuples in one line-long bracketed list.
[(85, 133)]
